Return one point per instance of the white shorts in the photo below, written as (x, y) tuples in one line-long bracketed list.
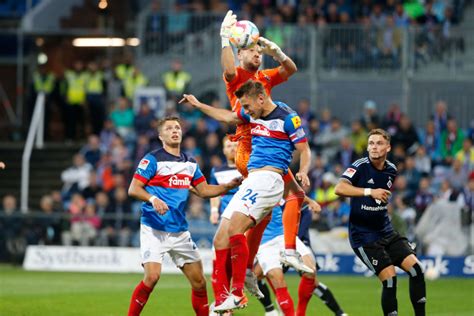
[(257, 195), (268, 255), (155, 243)]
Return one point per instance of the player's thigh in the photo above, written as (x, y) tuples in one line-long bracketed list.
[(195, 274), (268, 254), (183, 249), (398, 249), (374, 257), (153, 244)]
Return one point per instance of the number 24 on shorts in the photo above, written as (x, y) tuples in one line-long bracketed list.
[(249, 196)]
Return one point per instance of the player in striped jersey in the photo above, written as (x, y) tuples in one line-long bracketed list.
[(162, 181), (276, 132)]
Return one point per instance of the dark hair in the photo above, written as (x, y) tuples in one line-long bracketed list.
[(250, 88), (379, 131), (162, 121)]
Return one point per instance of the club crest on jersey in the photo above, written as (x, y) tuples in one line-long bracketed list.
[(349, 172), (143, 164), (296, 121), (260, 130), (175, 181), (274, 125), (389, 184)]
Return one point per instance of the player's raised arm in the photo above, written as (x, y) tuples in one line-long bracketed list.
[(227, 55), (221, 115), (287, 65), (206, 190)]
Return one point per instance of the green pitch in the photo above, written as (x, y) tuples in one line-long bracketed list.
[(94, 294)]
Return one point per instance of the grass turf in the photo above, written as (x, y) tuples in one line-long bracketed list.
[(61, 293)]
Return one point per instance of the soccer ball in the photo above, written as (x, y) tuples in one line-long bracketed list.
[(244, 34)]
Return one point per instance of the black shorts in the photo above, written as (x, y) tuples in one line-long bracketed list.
[(384, 252)]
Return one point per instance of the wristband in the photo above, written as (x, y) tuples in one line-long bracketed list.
[(225, 42), (281, 57), (367, 192), (214, 210), (152, 198)]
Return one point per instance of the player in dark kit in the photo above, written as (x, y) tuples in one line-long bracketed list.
[(368, 182)]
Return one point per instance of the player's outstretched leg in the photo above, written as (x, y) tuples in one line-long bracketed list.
[(266, 301), (222, 266), (195, 274)]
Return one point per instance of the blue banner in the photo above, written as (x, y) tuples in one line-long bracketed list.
[(434, 266)]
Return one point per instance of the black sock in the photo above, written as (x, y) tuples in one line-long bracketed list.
[(389, 297), (325, 294), (417, 290), (267, 299)]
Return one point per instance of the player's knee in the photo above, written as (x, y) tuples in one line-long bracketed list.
[(390, 283), (277, 278), (416, 271), (199, 284), (151, 279), (221, 239)]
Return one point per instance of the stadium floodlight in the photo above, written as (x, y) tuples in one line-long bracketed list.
[(98, 42), (133, 41)]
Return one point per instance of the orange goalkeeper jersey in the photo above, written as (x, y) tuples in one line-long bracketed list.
[(269, 78)]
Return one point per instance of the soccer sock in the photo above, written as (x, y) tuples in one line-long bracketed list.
[(417, 289), (254, 236), (220, 277), (325, 294), (266, 301), (239, 257), (200, 303), (291, 219), (139, 298), (305, 290), (389, 297), (285, 301)]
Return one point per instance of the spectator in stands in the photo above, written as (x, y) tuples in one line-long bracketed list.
[(95, 87), (330, 139), (440, 117), (48, 226), (401, 187), (406, 136), (123, 118), (451, 141), (411, 174), (83, 223), (12, 241), (117, 226), (467, 195), (346, 154), (176, 81), (325, 120), (466, 155), (430, 140), (391, 120), (102, 204), (299, 42), (317, 172), (422, 161), (370, 119), (358, 138), (43, 81), (407, 215), (456, 175), (377, 17), (91, 151), (304, 111), (339, 212), (143, 119), (325, 196), (141, 148), (401, 18), (424, 196), (75, 100), (389, 43), (133, 82), (94, 186), (75, 178), (107, 134), (155, 29)]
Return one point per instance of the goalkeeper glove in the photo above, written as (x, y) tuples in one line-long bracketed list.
[(226, 28), (272, 49)]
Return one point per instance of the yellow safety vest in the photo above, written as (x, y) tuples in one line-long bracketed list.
[(176, 82), (43, 83), (326, 196), (124, 71), (132, 83), (76, 92), (95, 82)]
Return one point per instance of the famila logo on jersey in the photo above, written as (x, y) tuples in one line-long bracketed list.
[(260, 130), (175, 181)]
